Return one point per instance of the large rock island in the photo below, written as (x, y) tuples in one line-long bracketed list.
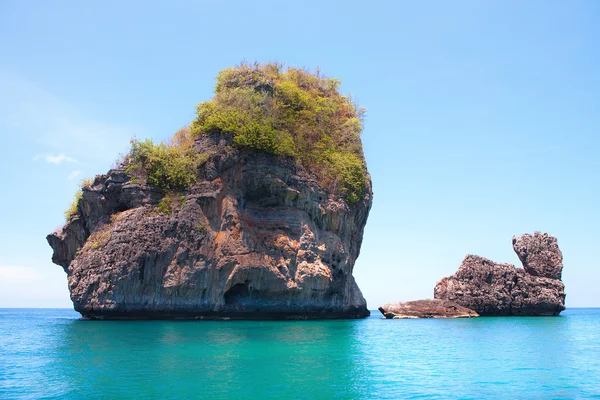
[(256, 211), (490, 288)]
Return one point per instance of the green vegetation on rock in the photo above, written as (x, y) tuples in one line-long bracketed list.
[(171, 166), (170, 202), (265, 107), (74, 207), (99, 239), (290, 112)]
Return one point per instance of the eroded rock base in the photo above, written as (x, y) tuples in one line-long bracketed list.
[(216, 316)]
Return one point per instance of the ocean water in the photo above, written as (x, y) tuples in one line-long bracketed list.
[(50, 353)]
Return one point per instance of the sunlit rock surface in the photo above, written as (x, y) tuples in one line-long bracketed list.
[(490, 288), (255, 237)]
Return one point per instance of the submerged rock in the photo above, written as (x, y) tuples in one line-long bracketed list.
[(501, 289), (426, 309), (255, 237)]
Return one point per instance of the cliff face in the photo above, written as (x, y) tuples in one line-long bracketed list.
[(501, 289), (254, 237)]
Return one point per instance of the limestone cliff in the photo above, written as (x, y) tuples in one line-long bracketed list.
[(255, 236)]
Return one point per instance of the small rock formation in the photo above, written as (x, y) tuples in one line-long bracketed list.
[(539, 254), (426, 309), (501, 289), (254, 237)]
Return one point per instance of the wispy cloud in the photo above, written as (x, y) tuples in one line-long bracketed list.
[(56, 159), (74, 174), (64, 132)]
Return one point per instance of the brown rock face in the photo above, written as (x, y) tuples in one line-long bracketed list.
[(255, 237), (501, 289), (426, 309), (539, 254)]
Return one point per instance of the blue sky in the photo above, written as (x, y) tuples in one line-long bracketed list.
[(482, 120)]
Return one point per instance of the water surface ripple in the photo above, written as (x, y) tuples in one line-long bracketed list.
[(49, 353)]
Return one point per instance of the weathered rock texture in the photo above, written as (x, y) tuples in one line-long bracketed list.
[(426, 309), (255, 237), (539, 254), (501, 289)]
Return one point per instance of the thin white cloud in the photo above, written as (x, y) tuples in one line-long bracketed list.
[(67, 136), (74, 174), (60, 158), (64, 132), (56, 159)]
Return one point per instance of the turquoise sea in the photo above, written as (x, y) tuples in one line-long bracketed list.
[(50, 353)]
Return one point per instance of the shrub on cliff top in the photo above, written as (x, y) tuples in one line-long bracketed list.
[(290, 112), (171, 166), (287, 112), (74, 207)]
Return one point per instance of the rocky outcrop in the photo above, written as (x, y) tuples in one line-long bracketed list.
[(539, 254), (426, 309), (501, 289), (255, 237)]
